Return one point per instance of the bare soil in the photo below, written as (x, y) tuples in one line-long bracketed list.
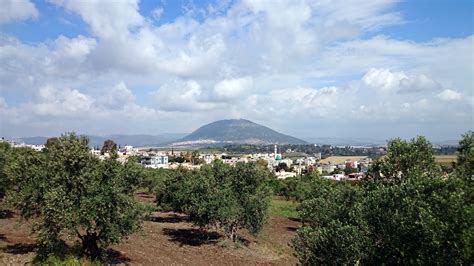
[(168, 239)]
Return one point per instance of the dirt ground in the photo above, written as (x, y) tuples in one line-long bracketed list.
[(168, 239)]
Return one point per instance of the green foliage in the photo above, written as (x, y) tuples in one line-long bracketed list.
[(422, 218), (283, 208), (152, 178), (219, 195), (350, 170), (109, 146), (295, 188), (5, 153), (405, 158), (178, 159), (337, 243), (72, 193), (465, 163)]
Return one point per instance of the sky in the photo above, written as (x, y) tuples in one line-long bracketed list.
[(330, 68)]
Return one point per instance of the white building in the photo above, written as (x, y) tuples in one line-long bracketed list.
[(282, 174), (337, 177), (159, 161)]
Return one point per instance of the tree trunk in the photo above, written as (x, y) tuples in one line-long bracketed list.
[(232, 234), (89, 246)]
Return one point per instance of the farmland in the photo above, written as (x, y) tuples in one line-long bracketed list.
[(168, 238)]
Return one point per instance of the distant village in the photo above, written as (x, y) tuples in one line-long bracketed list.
[(291, 165)]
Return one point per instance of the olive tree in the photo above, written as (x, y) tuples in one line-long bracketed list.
[(404, 158), (419, 217), (422, 219), (5, 154), (465, 163), (73, 194), (333, 231), (230, 198)]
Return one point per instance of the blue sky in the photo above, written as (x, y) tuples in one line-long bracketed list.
[(376, 69)]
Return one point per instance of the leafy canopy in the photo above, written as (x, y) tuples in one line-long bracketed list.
[(72, 193), (423, 217), (220, 195)]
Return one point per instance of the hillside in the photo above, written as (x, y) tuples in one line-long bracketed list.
[(236, 131), (134, 140)]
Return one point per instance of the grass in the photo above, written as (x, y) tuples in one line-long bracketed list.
[(283, 208)]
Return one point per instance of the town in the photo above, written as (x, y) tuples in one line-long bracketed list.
[(282, 164)]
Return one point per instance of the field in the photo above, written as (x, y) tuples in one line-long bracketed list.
[(445, 159), (169, 239), (341, 159)]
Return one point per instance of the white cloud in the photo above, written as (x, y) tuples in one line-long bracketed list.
[(14, 10), (61, 102), (303, 62), (106, 18), (183, 96), (387, 81), (117, 97), (230, 89), (449, 95)]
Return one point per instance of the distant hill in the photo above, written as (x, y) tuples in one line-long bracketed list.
[(134, 140), (236, 131)]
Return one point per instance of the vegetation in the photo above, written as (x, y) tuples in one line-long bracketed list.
[(293, 188), (406, 158), (283, 208), (5, 152), (406, 213), (465, 164), (72, 193), (109, 146), (220, 195)]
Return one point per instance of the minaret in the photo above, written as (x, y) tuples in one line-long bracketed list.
[(275, 153)]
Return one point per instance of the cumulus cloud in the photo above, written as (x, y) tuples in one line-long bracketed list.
[(303, 62), (61, 102), (183, 96), (117, 97), (387, 81), (14, 10), (105, 18), (449, 95), (230, 89)]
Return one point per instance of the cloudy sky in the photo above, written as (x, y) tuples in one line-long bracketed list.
[(329, 68)]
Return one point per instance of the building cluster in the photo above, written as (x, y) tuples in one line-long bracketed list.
[(290, 165), (294, 164), (15, 144)]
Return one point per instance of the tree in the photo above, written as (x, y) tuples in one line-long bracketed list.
[(405, 158), (350, 170), (5, 154), (109, 146), (418, 217), (72, 193), (422, 219), (333, 231), (220, 195), (465, 162)]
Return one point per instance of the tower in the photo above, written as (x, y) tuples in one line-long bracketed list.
[(275, 152)]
